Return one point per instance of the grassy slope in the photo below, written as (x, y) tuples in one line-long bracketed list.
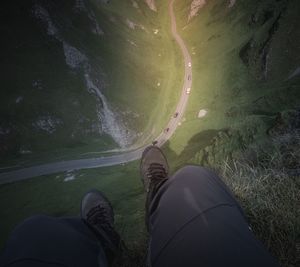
[(31, 55), (49, 194), (52, 196), (251, 132), (131, 74), (226, 87), (234, 94), (156, 59)]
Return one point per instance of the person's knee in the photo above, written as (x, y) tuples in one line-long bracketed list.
[(191, 168), (195, 172), (192, 175), (36, 218), (35, 221)]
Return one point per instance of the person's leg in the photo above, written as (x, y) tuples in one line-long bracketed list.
[(46, 241), (194, 220), (42, 241)]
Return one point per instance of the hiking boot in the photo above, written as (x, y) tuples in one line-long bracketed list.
[(154, 168), (97, 213), (154, 173)]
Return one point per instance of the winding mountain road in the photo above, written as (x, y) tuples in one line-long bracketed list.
[(55, 167)]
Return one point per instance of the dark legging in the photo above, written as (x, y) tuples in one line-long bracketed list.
[(194, 221)]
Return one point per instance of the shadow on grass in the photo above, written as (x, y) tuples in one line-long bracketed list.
[(195, 144)]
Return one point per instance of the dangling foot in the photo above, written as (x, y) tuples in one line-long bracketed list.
[(154, 168), (154, 172), (97, 213)]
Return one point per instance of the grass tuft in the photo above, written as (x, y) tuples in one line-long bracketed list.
[(269, 193)]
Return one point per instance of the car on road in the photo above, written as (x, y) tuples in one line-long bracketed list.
[(190, 64), (176, 114), (188, 90), (167, 130), (154, 142), (189, 77)]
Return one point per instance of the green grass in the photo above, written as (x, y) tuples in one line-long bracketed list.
[(269, 200), (269, 194), (156, 59), (264, 176), (234, 94), (260, 179), (52, 196), (246, 111), (248, 134), (129, 73)]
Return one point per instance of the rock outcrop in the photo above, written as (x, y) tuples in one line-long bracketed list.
[(196, 5), (151, 4)]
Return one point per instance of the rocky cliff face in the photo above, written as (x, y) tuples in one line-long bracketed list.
[(58, 72), (151, 4), (196, 5), (247, 55)]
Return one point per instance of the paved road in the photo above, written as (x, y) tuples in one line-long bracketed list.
[(173, 123), (55, 167)]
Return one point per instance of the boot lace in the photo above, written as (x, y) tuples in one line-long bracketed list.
[(156, 172), (98, 216)]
